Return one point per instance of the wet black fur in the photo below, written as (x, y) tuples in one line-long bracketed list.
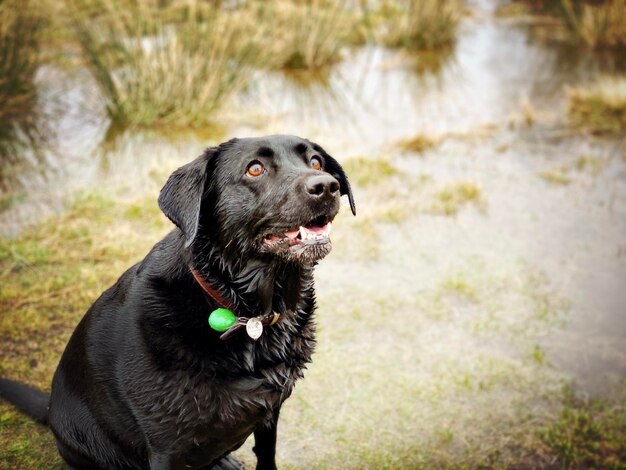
[(144, 382)]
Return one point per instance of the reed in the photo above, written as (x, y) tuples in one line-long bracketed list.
[(153, 72), (307, 34), (600, 107), (422, 24), (20, 28), (598, 25)]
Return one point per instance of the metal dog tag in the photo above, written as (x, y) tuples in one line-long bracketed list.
[(254, 328)]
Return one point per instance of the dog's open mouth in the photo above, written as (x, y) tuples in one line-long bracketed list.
[(314, 232)]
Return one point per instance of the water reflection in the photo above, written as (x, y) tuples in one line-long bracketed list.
[(375, 96)]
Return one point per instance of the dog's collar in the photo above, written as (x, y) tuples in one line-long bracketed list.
[(232, 323)]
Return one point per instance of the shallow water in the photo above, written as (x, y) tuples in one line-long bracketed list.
[(497, 102)]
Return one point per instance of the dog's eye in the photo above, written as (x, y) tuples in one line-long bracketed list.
[(255, 169), (315, 163)]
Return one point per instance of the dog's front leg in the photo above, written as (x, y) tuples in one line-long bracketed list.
[(265, 444), (166, 462)]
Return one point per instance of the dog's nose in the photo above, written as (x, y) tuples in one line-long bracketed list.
[(321, 185)]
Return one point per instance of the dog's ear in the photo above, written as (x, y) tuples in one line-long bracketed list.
[(334, 168), (181, 197)]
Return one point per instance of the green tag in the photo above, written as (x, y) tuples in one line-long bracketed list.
[(222, 319)]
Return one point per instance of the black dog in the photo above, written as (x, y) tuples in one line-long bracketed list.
[(145, 381)]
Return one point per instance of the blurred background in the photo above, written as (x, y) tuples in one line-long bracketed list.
[(472, 315)]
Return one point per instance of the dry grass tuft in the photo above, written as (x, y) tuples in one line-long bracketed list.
[(556, 177), (365, 171), (150, 72), (513, 9), (591, 164), (306, 34), (420, 143), (422, 24), (598, 24), (449, 199), (601, 107), (20, 30)]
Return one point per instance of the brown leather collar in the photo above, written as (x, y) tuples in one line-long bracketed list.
[(208, 288), (242, 322)]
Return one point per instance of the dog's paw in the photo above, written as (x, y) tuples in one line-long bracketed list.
[(227, 463)]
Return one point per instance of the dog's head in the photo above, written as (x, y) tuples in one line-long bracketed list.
[(268, 196)]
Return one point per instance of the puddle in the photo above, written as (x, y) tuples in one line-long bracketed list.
[(500, 75)]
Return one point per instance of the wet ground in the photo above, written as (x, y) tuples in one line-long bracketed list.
[(433, 318)]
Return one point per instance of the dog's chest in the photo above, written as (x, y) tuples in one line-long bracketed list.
[(220, 407)]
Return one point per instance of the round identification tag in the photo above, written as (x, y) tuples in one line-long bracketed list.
[(254, 328)]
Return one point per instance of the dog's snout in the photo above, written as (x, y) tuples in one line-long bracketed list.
[(321, 185)]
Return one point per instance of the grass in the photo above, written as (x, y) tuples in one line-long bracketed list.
[(460, 285), (595, 24), (420, 143), (366, 171), (563, 175), (590, 163), (431, 392), (306, 34), (421, 24), (24, 444), (557, 177), (599, 107), (362, 240), (9, 200), (20, 56), (78, 247), (551, 8), (588, 434), (453, 196), (153, 73), (175, 67), (63, 264), (389, 198), (513, 9), (424, 396), (599, 24), (430, 61)]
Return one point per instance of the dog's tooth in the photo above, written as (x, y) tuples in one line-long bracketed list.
[(291, 234), (305, 233)]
